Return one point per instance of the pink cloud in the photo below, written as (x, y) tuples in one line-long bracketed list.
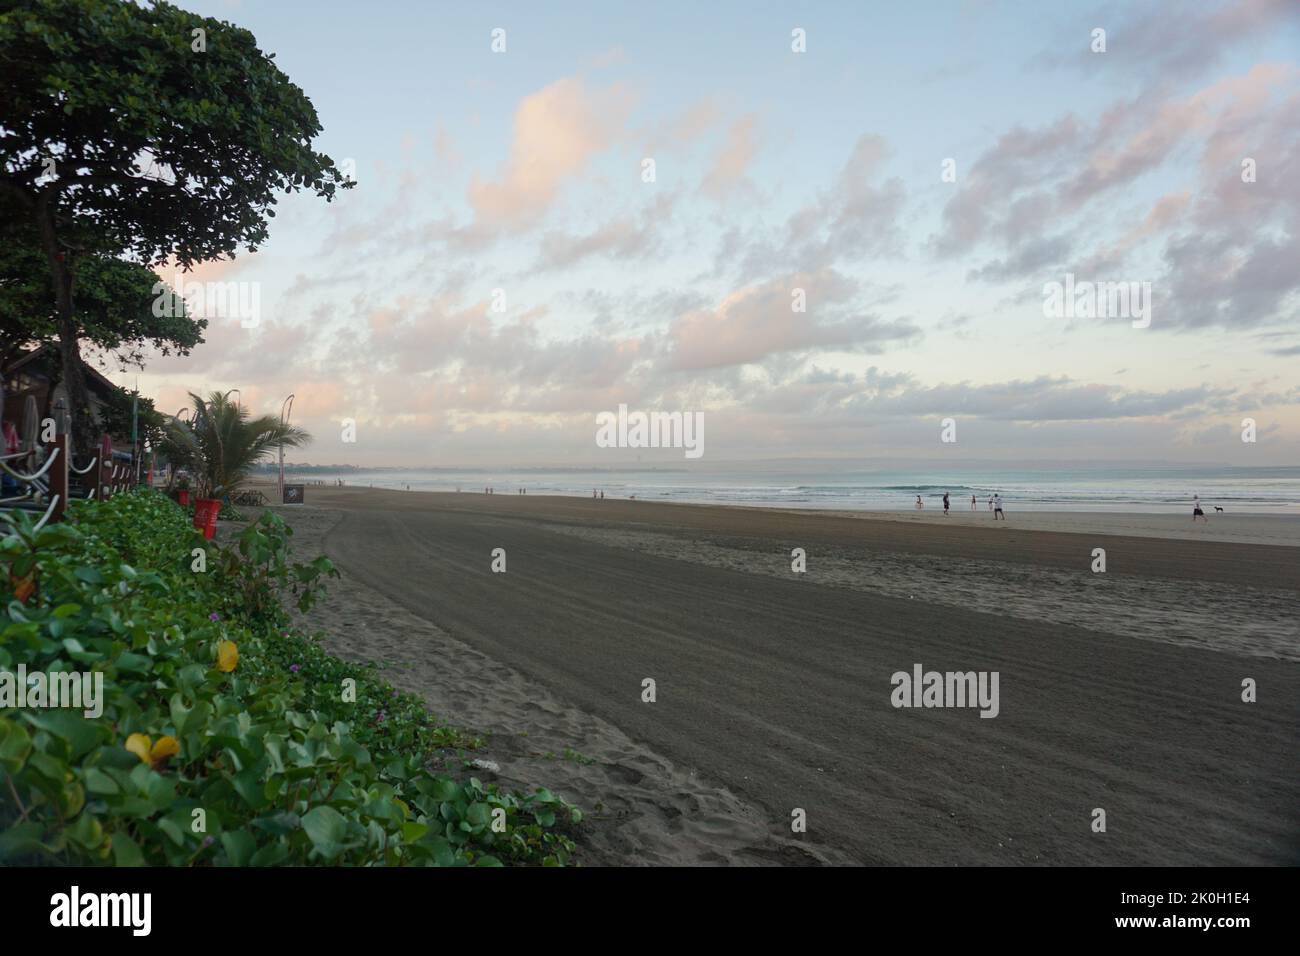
[(556, 133), (757, 321), (728, 170)]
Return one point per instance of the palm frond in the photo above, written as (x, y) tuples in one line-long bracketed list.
[(222, 443)]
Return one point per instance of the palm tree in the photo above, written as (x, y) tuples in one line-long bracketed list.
[(222, 443)]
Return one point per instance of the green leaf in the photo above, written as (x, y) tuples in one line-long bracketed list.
[(239, 846), (89, 574), (98, 782), (445, 789), (412, 832), (126, 852), (327, 829), (15, 745), (133, 663), (273, 854)]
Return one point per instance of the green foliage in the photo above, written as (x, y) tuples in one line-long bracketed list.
[(114, 300), (160, 149), (222, 443), (116, 414), (227, 513), (143, 133), (262, 577), (284, 767)]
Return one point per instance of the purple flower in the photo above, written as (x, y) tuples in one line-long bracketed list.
[(214, 616), (293, 668), (208, 841)]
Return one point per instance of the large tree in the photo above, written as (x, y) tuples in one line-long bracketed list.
[(147, 133), (115, 303)]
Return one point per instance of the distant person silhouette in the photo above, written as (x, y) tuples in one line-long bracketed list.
[(945, 502)]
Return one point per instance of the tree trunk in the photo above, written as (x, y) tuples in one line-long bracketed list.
[(82, 429)]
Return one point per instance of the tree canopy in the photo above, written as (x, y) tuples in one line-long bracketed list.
[(148, 133), (114, 302), (163, 141)]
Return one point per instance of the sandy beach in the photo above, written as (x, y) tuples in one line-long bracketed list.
[(1119, 690)]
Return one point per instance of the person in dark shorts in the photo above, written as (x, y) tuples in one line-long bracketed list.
[(997, 508), (1197, 512), (945, 502)]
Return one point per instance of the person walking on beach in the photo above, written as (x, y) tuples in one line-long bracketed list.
[(990, 504), (997, 508), (945, 502), (1197, 511), (972, 502), (919, 503)]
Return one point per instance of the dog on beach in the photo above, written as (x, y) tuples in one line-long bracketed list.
[(1217, 508)]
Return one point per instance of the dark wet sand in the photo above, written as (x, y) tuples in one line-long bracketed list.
[(779, 690)]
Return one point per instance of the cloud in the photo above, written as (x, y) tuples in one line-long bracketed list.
[(685, 128), (1170, 40), (1036, 257), (728, 170), (1019, 160), (857, 217), (879, 396), (1225, 244), (755, 322), (557, 131), (622, 238)]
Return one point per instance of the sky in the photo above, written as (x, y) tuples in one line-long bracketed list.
[(507, 268)]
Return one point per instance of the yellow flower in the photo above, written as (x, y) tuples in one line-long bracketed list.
[(227, 656), (155, 755)]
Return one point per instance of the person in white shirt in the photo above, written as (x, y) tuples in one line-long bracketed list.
[(997, 508)]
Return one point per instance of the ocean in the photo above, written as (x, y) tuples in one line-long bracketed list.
[(1147, 489)]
